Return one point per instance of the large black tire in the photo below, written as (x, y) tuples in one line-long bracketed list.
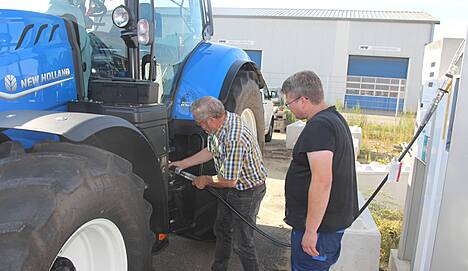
[(245, 94), (48, 193)]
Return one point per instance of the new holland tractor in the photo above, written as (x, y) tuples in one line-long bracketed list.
[(95, 100)]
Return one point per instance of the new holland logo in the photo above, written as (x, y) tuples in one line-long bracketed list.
[(10, 83), (33, 83)]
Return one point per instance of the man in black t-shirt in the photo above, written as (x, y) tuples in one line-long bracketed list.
[(320, 187)]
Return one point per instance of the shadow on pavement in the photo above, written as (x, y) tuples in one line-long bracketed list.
[(185, 254)]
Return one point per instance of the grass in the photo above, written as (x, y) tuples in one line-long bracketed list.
[(381, 142), (389, 222)]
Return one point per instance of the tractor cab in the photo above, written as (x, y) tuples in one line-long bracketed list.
[(127, 40)]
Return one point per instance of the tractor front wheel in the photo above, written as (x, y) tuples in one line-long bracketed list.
[(71, 207), (245, 99)]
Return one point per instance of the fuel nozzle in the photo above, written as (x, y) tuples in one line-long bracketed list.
[(182, 173)]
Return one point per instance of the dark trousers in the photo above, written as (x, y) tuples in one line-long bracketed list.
[(231, 232)]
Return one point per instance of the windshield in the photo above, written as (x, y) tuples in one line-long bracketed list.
[(178, 30), (103, 52)]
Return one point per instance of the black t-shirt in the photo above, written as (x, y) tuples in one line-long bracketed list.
[(327, 130)]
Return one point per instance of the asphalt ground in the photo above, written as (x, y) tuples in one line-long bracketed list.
[(185, 254)]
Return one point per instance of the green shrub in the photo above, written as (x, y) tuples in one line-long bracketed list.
[(357, 119), (290, 118), (389, 222), (339, 106)]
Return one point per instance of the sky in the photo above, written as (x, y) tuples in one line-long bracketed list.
[(452, 14)]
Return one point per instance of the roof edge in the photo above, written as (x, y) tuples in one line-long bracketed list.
[(331, 19), (283, 13)]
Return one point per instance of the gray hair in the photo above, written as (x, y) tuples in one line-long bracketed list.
[(206, 107), (304, 83)]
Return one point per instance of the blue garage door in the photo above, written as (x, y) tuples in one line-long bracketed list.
[(376, 83), (255, 56)]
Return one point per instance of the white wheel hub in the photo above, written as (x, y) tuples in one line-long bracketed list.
[(249, 118), (97, 245)]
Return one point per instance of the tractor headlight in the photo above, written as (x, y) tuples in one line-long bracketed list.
[(143, 31), (121, 16)]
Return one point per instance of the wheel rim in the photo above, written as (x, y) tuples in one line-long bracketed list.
[(249, 118), (97, 245)]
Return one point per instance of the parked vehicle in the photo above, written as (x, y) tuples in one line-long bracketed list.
[(269, 110), (276, 97)]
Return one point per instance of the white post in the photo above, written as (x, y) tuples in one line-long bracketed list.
[(398, 100)]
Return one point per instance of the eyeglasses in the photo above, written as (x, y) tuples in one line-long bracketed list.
[(201, 122), (293, 101)]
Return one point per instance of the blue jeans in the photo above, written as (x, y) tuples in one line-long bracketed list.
[(328, 246), (234, 234)]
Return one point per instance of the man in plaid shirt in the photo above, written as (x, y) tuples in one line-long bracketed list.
[(240, 179)]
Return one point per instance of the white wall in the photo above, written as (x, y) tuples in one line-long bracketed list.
[(291, 45)]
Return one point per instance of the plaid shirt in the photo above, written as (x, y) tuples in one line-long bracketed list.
[(236, 153)]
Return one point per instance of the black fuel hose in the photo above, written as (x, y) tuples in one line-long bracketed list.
[(190, 177)]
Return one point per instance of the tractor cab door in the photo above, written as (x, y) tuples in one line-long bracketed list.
[(180, 26)]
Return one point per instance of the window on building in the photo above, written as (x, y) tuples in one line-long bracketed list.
[(431, 74), (353, 85), (430, 84), (433, 64), (354, 78), (381, 93), (384, 87), (368, 79), (352, 91), (383, 81)]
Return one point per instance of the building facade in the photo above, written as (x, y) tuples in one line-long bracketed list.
[(367, 59)]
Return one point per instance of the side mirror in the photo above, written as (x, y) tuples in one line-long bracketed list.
[(273, 94), (208, 28), (148, 68)]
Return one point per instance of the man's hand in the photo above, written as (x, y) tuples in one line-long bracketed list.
[(309, 242), (201, 182), (180, 164)]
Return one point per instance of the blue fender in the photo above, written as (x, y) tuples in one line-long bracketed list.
[(204, 75), (32, 126)]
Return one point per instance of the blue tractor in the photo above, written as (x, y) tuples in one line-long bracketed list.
[(94, 102)]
